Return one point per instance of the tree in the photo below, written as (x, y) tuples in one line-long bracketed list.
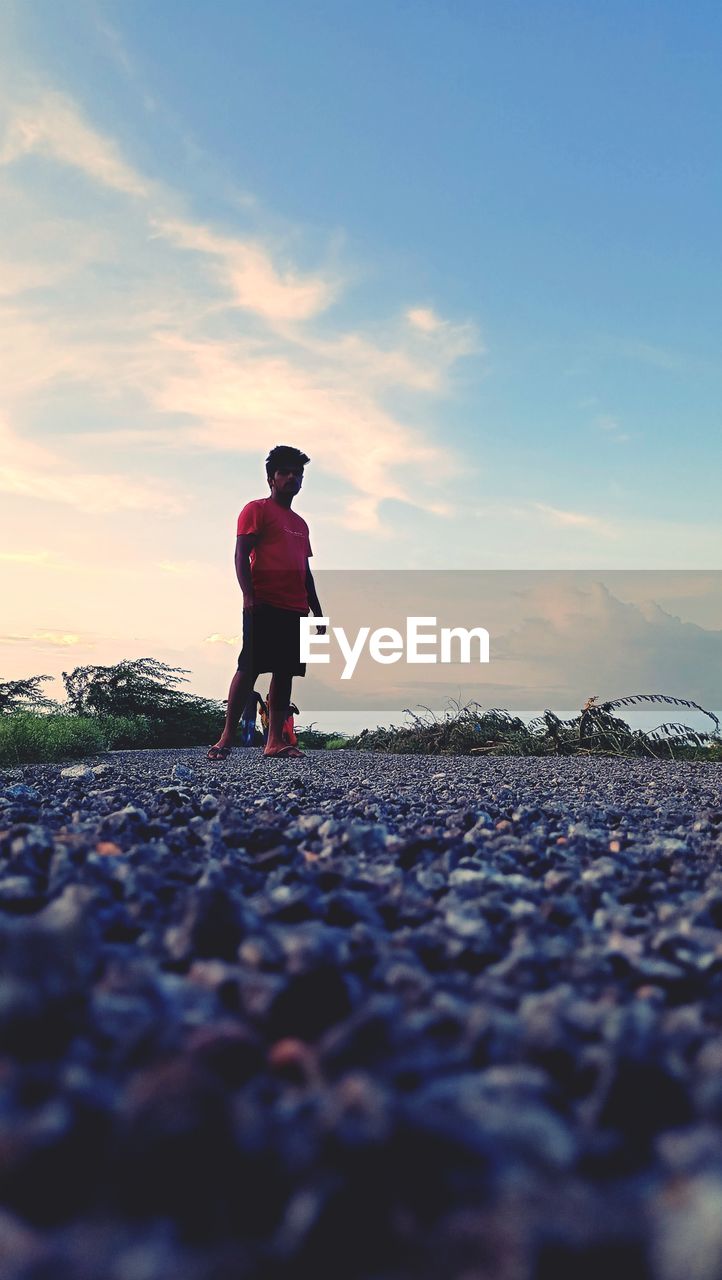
[(24, 695), (140, 686)]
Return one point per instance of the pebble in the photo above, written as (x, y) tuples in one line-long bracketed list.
[(19, 791), (79, 772), (182, 772), (277, 1029)]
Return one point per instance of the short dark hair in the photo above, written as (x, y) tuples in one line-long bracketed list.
[(284, 454)]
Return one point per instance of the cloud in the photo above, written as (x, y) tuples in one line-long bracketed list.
[(30, 471), (215, 638), (114, 45), (445, 339), (206, 335), (650, 353), (246, 270), (236, 401), (94, 494), (425, 319), (585, 639), (419, 361), (47, 639), (51, 125), (49, 562), (43, 558), (576, 519), (605, 422)]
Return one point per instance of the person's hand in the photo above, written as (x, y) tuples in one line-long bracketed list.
[(249, 601), (320, 628)]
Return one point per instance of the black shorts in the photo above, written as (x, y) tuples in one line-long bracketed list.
[(271, 640)]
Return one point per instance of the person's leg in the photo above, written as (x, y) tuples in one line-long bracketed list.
[(279, 696), (241, 686)]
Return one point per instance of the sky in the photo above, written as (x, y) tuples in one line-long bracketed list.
[(465, 255)]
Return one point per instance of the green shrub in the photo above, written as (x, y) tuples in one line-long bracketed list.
[(133, 705), (465, 730), (314, 739), (126, 733), (26, 737)]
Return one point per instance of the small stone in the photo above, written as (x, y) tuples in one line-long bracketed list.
[(687, 1235), (127, 819), (601, 869), (668, 846), (182, 772), (307, 822), (480, 831), (19, 791), (35, 841), (467, 876), (174, 795), (80, 772), (107, 849), (293, 1060), (19, 893)]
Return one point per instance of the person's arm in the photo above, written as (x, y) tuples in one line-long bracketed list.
[(313, 600), (245, 542)]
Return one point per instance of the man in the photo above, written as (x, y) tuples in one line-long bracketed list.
[(272, 553)]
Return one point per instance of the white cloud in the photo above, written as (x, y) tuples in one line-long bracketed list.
[(587, 640), (425, 319), (46, 639), (95, 494), (606, 422), (51, 125), (168, 334), (30, 471), (238, 401), (247, 271), (577, 519), (27, 557), (394, 358)]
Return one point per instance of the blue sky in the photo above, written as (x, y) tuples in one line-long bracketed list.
[(466, 255)]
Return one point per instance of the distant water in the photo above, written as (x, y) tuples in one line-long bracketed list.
[(641, 717)]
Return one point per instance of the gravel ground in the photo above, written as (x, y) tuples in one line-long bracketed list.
[(360, 1016)]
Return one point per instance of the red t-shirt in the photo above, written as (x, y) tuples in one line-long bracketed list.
[(280, 556)]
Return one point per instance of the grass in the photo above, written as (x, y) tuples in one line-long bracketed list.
[(470, 730), (317, 740), (29, 737)]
